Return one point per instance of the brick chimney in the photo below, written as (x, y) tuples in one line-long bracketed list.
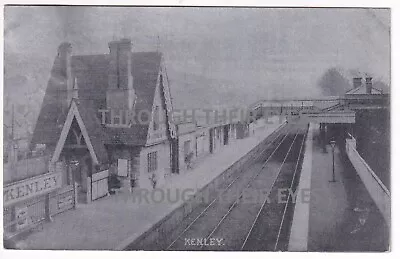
[(357, 82), (62, 70), (368, 85), (120, 92)]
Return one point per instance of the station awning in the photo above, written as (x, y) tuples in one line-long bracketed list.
[(331, 117)]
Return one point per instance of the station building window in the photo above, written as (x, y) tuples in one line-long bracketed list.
[(152, 161)]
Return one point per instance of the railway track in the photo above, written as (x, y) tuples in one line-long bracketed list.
[(240, 179), (226, 213), (271, 227), (245, 217), (232, 181), (232, 217), (283, 235)]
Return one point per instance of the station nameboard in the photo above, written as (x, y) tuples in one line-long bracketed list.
[(29, 188)]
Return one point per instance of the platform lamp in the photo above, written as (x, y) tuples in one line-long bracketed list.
[(333, 144)]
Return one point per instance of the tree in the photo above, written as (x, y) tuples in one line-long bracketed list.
[(333, 83)]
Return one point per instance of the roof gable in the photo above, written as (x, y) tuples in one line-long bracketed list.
[(363, 90), (90, 73), (96, 150), (158, 113)]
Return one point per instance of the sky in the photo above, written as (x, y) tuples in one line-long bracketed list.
[(214, 56)]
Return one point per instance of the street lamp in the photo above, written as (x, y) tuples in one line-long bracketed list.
[(333, 143)]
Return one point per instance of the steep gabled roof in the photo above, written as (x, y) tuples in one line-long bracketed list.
[(90, 72), (89, 125), (95, 131)]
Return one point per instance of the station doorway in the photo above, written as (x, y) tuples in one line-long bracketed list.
[(226, 134)]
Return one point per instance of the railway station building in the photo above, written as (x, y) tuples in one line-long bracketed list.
[(109, 112)]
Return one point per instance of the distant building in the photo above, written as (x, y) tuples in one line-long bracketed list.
[(109, 110), (363, 93)]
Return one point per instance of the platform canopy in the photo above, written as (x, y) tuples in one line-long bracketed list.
[(342, 116)]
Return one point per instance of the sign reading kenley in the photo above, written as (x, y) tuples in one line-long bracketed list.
[(31, 187)]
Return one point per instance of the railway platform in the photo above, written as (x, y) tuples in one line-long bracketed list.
[(117, 220), (341, 214)]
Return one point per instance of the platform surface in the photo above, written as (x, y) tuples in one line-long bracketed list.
[(116, 219), (343, 217)]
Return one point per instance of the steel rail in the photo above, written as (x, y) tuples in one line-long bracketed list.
[(241, 194), (226, 189), (266, 199), (291, 187)]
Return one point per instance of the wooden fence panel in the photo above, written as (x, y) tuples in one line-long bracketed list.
[(99, 185)]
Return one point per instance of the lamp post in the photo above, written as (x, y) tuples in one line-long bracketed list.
[(333, 143)]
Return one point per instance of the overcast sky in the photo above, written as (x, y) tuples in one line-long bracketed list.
[(218, 56)]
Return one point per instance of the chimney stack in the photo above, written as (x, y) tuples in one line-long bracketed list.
[(368, 85), (63, 69), (357, 82), (64, 57), (120, 67), (120, 92)]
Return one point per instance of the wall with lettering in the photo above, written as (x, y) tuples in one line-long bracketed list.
[(29, 188)]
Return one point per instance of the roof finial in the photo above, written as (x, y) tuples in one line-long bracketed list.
[(76, 83)]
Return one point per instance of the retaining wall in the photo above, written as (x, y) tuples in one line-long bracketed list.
[(378, 191)]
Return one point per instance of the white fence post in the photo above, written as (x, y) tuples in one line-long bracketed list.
[(89, 190)]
